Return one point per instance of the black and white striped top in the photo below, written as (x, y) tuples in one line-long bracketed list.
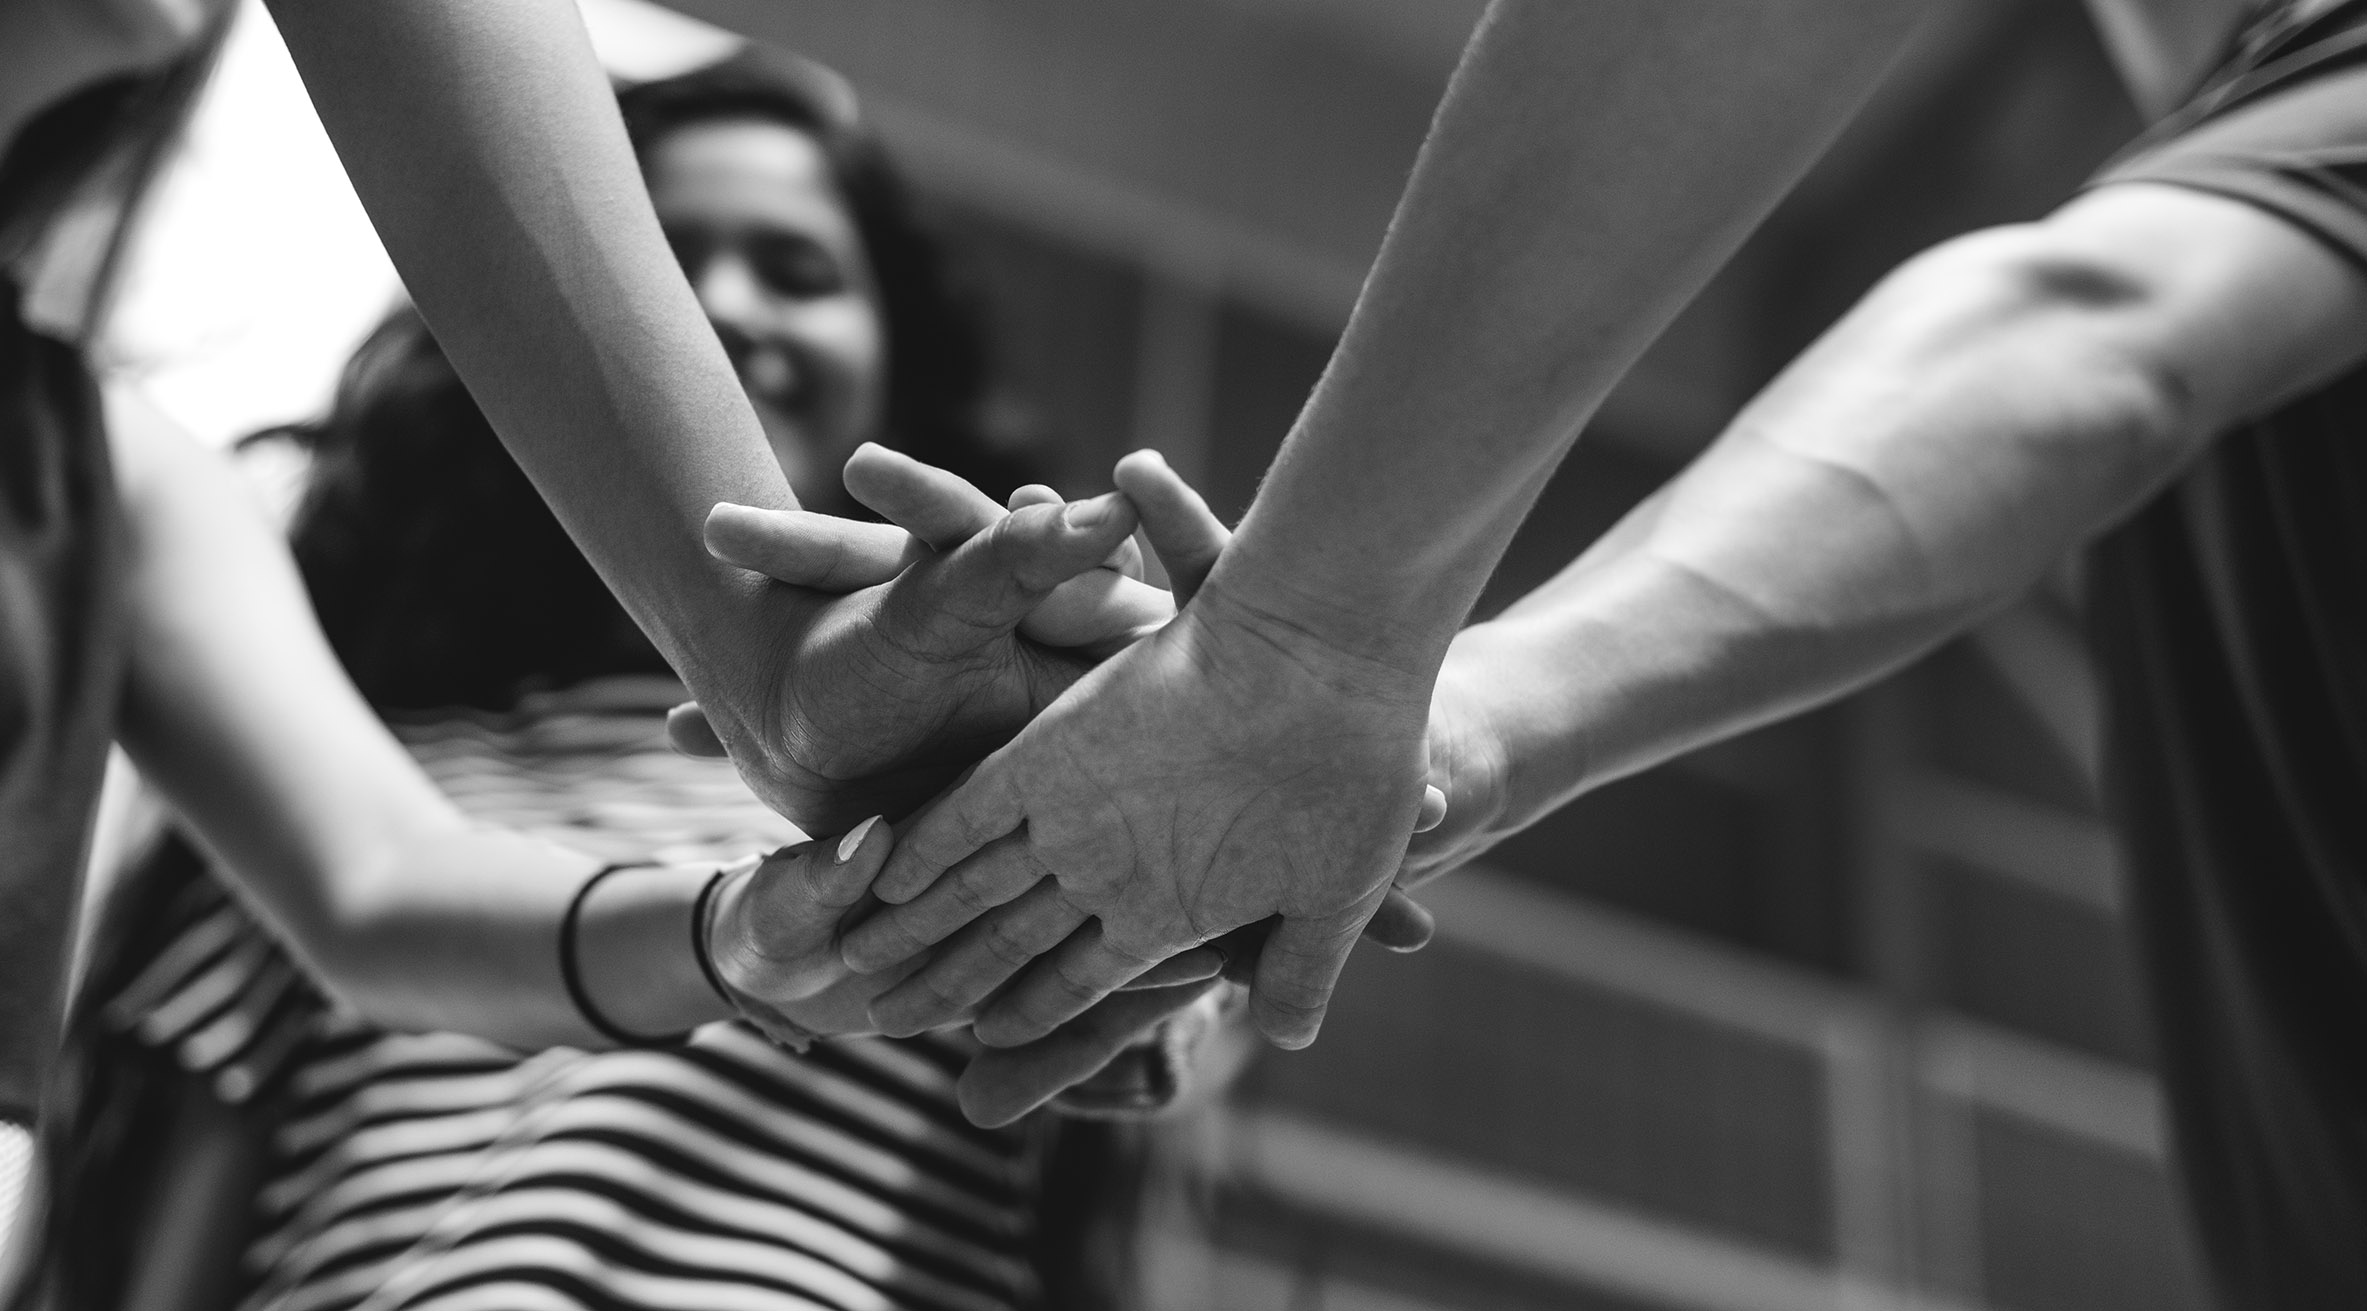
[(442, 1171)]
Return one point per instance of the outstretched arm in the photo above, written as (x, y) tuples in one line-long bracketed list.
[(486, 145), (1591, 165), (1990, 406), (238, 711), (484, 141)]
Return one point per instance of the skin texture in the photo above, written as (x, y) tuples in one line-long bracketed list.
[(751, 211), (1264, 755), (485, 143), (238, 712), (1992, 405)]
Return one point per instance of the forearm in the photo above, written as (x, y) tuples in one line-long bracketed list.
[(235, 708), (1591, 166), (1989, 408), (462, 931), (485, 143)]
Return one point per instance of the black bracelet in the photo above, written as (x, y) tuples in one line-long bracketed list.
[(572, 975), (699, 950), (764, 1017)]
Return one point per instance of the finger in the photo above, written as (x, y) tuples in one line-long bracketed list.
[(1204, 962), (1058, 988), (815, 881), (1127, 559), (1001, 1086), (1098, 612), (978, 960), (999, 873), (955, 825), (1183, 530), (1297, 970), (1156, 1071), (804, 549), (689, 732), (1433, 811), (986, 585), (773, 932), (940, 508), (1401, 924)]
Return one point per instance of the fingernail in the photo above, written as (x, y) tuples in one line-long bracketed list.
[(1093, 513), (853, 841)]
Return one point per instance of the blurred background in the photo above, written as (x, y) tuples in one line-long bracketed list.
[(1838, 1015)]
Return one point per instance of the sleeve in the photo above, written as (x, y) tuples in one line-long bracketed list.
[(2283, 126)]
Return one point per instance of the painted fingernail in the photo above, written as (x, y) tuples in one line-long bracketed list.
[(853, 841), (1093, 513)]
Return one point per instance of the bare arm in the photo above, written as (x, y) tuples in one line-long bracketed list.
[(237, 710), (1593, 163), (1992, 405), (484, 140)]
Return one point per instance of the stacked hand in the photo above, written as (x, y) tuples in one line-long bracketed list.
[(1212, 759), (883, 695), (771, 941), (1100, 609)]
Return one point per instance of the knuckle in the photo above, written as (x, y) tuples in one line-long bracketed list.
[(1064, 980), (1007, 945), (890, 938), (970, 893), (931, 997)]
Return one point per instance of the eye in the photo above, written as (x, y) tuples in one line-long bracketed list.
[(794, 266)]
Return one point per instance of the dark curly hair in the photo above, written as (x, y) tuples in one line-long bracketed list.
[(440, 576)]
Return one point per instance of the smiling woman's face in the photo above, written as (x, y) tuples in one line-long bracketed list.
[(757, 221)]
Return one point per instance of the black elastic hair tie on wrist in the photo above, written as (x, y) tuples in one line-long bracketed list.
[(700, 910), (571, 973)]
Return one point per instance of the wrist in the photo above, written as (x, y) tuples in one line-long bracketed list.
[(635, 971), (1338, 637), (738, 970), (1506, 716)]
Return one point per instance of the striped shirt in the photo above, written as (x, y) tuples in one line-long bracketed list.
[(442, 1171)]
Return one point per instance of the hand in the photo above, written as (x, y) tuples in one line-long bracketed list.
[(1469, 765), (1219, 772), (771, 939), (1133, 1055), (881, 697), (930, 510), (1097, 611), (771, 936)]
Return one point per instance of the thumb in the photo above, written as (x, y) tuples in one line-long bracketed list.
[(1298, 967), (690, 733), (775, 930)]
